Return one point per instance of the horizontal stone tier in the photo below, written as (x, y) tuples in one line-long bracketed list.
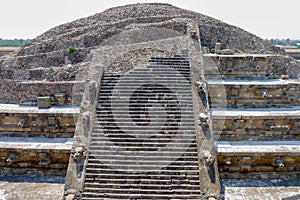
[(243, 66), (28, 154), (22, 121), (257, 125), (266, 93), (16, 92), (273, 156)]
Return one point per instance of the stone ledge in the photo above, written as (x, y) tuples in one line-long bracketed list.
[(259, 112), (260, 83), (290, 147), (211, 55), (34, 144), (14, 108), (275, 189)]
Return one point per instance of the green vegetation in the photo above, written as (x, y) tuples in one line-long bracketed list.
[(285, 42), (12, 43), (51, 69), (72, 49)]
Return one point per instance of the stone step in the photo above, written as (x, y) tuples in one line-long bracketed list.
[(167, 180), (153, 63), (140, 190), (163, 68), (181, 57), (168, 88), (94, 167), (141, 184), (129, 91), (133, 140), (161, 154), (94, 196), (135, 173), (97, 148), (151, 163), (186, 133), (173, 158)]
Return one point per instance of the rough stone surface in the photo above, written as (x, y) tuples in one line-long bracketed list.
[(48, 56), (15, 92), (249, 189), (29, 187)]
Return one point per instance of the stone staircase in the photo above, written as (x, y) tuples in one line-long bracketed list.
[(256, 119), (143, 145)]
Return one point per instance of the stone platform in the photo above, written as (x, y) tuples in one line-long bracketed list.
[(250, 189), (29, 187)]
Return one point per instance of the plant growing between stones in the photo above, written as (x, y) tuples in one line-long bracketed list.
[(72, 49)]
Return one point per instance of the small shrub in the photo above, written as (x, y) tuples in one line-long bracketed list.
[(72, 49), (51, 69)]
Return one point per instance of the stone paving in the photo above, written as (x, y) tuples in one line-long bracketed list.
[(272, 189)]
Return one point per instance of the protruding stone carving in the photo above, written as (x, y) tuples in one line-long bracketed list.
[(44, 158), (60, 98), (79, 154), (85, 117), (245, 162), (84, 105), (200, 85), (86, 122), (11, 158), (284, 77), (52, 123), (279, 161), (22, 122), (203, 119), (207, 157), (72, 194), (255, 65), (270, 125), (263, 93)]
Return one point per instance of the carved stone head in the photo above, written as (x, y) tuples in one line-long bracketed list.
[(78, 153), (207, 157)]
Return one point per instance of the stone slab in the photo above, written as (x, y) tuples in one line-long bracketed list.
[(14, 108), (256, 112), (290, 147), (250, 189), (251, 82), (236, 56), (23, 143), (30, 188)]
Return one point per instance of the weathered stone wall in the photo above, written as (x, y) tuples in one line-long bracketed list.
[(15, 92), (279, 163), (246, 94), (37, 124), (48, 161), (250, 67), (257, 128)]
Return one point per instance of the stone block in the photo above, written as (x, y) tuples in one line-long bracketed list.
[(44, 102), (60, 98)]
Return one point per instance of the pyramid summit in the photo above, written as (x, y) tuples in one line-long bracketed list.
[(149, 101)]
